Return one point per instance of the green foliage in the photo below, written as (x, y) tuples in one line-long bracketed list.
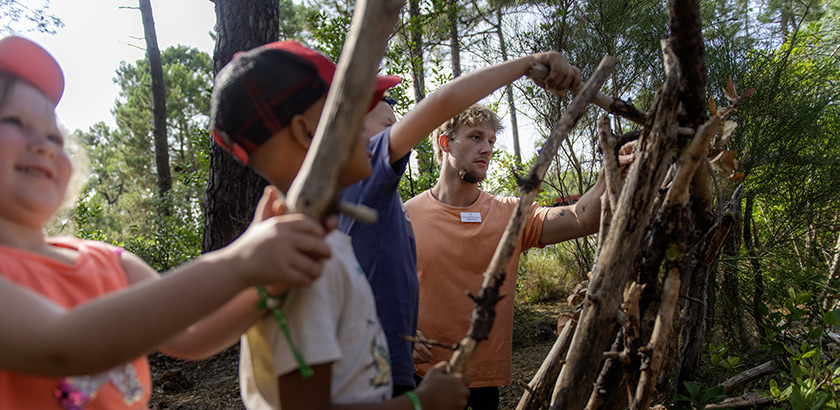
[(699, 397), (21, 17), (546, 275), (719, 356), (810, 379), (121, 204)]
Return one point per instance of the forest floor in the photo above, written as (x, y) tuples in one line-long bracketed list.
[(213, 384)]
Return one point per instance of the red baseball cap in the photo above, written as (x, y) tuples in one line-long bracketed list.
[(259, 91), (30, 62)]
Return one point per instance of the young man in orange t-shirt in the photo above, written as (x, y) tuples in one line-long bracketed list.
[(457, 227)]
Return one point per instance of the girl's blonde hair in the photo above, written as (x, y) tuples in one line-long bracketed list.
[(476, 114)]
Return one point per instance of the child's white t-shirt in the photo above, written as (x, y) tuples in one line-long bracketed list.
[(332, 321)]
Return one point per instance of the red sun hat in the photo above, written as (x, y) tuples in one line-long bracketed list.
[(33, 64)]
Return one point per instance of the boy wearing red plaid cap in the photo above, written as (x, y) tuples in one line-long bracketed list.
[(265, 106)]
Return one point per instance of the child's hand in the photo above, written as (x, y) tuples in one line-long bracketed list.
[(287, 250), (561, 76), (421, 353), (626, 157), (443, 391)]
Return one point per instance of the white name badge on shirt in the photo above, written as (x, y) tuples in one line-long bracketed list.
[(471, 217)]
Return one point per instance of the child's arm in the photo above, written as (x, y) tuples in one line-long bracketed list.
[(439, 391), (40, 337), (457, 95), (222, 328)]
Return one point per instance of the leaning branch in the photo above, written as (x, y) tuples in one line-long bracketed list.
[(481, 320)]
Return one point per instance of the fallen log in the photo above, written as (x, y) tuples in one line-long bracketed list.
[(748, 376), (747, 401)]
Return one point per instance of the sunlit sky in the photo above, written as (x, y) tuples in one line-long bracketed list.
[(99, 34)]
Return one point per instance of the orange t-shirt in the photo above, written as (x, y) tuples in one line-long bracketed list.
[(454, 248), (96, 272)]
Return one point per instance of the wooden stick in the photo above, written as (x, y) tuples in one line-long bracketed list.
[(747, 401), (316, 189), (673, 213), (612, 168), (484, 313), (613, 105)]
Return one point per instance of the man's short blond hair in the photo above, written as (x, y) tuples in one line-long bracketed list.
[(473, 116)]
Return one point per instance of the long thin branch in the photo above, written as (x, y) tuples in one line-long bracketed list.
[(481, 320)]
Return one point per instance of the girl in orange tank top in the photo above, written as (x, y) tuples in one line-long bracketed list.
[(75, 320)]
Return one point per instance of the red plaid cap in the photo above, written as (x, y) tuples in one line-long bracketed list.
[(259, 91)]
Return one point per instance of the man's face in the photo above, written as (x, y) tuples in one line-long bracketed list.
[(470, 151)]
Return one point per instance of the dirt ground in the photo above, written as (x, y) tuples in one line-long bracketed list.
[(213, 384)]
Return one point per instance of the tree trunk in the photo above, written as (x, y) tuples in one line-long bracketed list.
[(833, 275), (415, 29), (454, 39), (751, 243), (233, 189), (164, 176), (514, 127), (730, 288)]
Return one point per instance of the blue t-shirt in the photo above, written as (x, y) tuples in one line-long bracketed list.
[(387, 253)]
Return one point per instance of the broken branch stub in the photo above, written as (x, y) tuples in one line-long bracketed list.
[(316, 189), (481, 320)]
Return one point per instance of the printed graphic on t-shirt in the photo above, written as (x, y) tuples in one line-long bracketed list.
[(74, 393), (382, 363)]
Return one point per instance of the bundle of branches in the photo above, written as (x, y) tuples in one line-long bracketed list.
[(659, 236)]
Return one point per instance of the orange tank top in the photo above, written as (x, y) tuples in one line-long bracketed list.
[(96, 272)]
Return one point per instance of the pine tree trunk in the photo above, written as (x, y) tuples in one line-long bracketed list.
[(233, 189), (164, 176), (415, 31), (514, 127), (454, 38), (751, 243)]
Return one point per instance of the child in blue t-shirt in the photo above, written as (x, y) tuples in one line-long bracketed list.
[(386, 250)]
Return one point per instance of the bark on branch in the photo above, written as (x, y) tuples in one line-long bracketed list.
[(748, 376), (481, 320)]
